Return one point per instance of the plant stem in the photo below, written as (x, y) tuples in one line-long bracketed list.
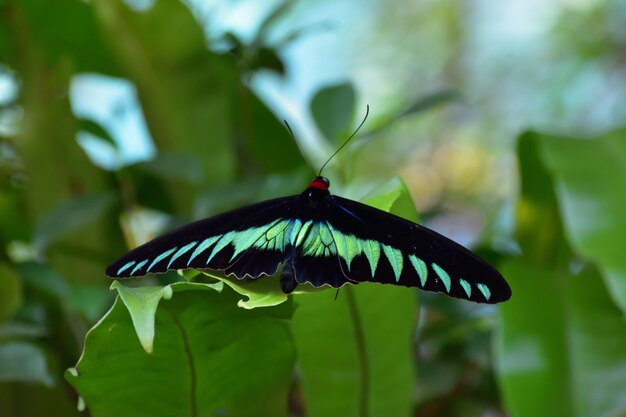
[(361, 350)]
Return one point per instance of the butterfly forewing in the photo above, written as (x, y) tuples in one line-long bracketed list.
[(243, 241), (376, 246)]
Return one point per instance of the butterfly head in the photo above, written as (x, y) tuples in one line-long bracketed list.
[(320, 183)]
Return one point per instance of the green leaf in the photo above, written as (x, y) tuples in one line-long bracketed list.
[(67, 29), (210, 358), (142, 303), (261, 292), (564, 356), (333, 110), (186, 92), (267, 145), (71, 215), (590, 180), (23, 361), (428, 102), (183, 167), (10, 292), (94, 128), (394, 197), (355, 352)]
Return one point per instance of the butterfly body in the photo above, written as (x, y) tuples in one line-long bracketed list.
[(321, 239)]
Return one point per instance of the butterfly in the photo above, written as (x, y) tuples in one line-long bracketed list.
[(321, 239)]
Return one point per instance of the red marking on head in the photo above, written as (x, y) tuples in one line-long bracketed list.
[(321, 183)]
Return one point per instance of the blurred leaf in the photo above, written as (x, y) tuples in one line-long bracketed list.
[(559, 357), (21, 330), (355, 353), (42, 278), (89, 300), (268, 58), (22, 361), (266, 141), (270, 20), (67, 31), (10, 292), (333, 110), (429, 101), (24, 399), (186, 91), (538, 226), (71, 215), (97, 130), (564, 356), (593, 200), (394, 197), (210, 358), (13, 224), (183, 167)]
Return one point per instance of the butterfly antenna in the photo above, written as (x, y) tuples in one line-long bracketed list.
[(367, 112)]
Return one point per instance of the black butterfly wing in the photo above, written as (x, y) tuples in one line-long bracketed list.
[(249, 241), (372, 245)]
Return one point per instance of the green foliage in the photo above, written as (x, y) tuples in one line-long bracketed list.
[(333, 109), (556, 351), (210, 357)]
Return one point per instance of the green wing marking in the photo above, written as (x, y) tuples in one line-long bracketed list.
[(139, 266), (420, 268), (466, 286), (443, 275), (484, 290), (161, 257), (181, 252)]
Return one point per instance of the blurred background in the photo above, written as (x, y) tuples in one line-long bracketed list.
[(122, 119)]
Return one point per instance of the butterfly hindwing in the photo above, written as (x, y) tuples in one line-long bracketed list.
[(376, 246), (247, 241)]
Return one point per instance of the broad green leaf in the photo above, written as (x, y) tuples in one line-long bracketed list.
[(355, 352), (24, 361), (564, 356), (10, 292), (71, 215), (590, 178), (333, 109), (210, 358)]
